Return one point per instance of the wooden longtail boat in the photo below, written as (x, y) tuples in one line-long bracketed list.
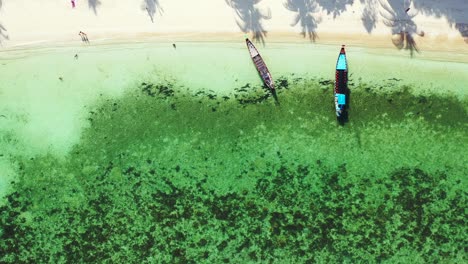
[(341, 84), (260, 65)]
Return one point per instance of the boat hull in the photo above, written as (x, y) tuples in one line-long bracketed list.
[(341, 92), (260, 65)]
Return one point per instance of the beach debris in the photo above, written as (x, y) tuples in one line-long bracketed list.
[(174, 45), (61, 79), (76, 56)]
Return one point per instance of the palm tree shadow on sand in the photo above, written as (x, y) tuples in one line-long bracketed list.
[(152, 7), (93, 4), (250, 18), (463, 28), (454, 11), (369, 14), (398, 16), (304, 10), (335, 7)]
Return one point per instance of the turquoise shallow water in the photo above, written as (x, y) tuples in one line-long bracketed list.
[(55, 110), (149, 165)]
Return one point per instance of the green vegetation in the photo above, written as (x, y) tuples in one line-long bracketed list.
[(165, 176)]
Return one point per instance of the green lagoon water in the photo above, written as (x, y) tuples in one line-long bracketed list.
[(145, 153)]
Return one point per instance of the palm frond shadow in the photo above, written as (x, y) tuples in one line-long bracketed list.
[(250, 18), (3, 34), (335, 7), (454, 13), (398, 16), (463, 28), (93, 4), (152, 7), (304, 10), (369, 15)]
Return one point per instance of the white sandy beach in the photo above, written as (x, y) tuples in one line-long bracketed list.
[(363, 23)]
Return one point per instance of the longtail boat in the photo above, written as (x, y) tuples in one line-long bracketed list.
[(341, 84), (260, 65)]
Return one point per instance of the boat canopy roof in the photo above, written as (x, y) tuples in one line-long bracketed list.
[(341, 98)]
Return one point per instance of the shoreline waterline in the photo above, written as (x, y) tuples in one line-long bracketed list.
[(308, 57), (437, 43)]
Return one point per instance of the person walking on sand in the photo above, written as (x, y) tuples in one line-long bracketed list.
[(84, 37), (73, 3)]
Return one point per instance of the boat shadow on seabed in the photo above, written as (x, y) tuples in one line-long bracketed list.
[(273, 93)]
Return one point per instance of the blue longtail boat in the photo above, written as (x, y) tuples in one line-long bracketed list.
[(341, 84)]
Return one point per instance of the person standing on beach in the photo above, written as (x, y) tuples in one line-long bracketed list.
[(73, 3), (84, 37)]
